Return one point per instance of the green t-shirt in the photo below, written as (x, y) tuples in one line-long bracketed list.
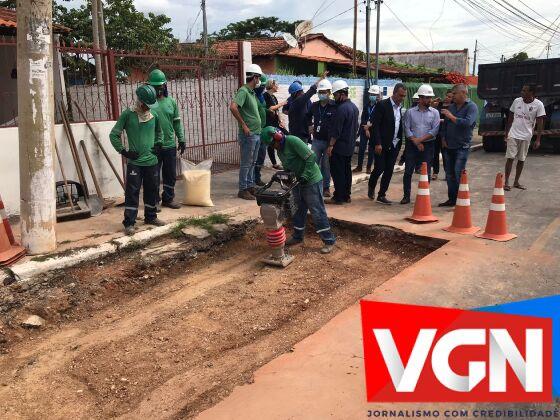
[(262, 113), (168, 114), (246, 101), (299, 159), (141, 137)]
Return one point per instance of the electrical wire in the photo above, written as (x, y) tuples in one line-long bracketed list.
[(406, 26), (328, 20), (319, 8), (436, 21), (534, 11)]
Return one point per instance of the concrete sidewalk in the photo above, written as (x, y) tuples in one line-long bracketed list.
[(324, 377)]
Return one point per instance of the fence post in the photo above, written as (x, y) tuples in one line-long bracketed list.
[(112, 73), (201, 102), (241, 73)]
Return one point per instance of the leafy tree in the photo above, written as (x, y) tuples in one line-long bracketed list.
[(257, 27), (516, 58)]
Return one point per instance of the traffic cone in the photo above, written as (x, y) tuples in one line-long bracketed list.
[(10, 251), (462, 216), (496, 226), (423, 207)]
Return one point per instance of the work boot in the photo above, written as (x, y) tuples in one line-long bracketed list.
[(260, 183), (245, 195), (252, 190), (129, 230), (368, 170), (383, 200), (158, 207), (405, 200), (447, 203), (154, 222), (171, 204), (326, 193), (292, 242), (357, 169), (327, 248), (277, 167), (371, 193)]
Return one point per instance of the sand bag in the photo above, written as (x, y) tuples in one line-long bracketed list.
[(197, 183)]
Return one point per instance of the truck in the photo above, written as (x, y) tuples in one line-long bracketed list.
[(500, 83)]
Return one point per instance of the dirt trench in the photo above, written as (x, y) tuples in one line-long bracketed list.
[(169, 333)]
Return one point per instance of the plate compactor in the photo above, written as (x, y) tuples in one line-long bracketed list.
[(276, 202)]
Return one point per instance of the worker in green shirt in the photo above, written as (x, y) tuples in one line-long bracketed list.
[(171, 125), (296, 157), (145, 137), (245, 110)]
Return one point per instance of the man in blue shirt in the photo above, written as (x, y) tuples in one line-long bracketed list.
[(366, 139), (460, 120), (421, 125), (299, 105), (342, 141)]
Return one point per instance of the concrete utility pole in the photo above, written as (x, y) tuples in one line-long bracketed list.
[(204, 27), (36, 125), (355, 36), (102, 39), (378, 5), (548, 48), (368, 58), (474, 59), (95, 30)]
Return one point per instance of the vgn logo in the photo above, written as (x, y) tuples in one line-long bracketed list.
[(428, 354)]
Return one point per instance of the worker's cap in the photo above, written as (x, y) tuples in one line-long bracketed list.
[(270, 134)]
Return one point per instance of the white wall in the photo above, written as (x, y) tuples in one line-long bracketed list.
[(9, 161)]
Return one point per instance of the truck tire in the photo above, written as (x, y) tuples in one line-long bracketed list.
[(493, 144)]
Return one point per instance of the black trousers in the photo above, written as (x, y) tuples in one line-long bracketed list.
[(167, 170), (341, 174), (272, 155), (383, 167), (136, 178), (414, 158), (437, 150)]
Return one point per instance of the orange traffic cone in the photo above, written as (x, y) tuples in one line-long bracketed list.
[(10, 251), (462, 216), (496, 226), (423, 206)]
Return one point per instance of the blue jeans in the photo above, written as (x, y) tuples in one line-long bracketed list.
[(310, 197), (455, 161), (365, 143), (413, 159), (319, 147), (249, 147), (261, 156)]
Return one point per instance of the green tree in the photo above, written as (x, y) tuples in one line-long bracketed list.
[(520, 56), (257, 27)]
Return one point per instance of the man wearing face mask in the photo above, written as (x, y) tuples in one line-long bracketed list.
[(365, 129), (245, 110), (421, 126), (261, 154), (320, 116), (145, 138), (171, 125), (342, 141)]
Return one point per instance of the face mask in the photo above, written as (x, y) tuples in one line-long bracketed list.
[(258, 83), (323, 96), (373, 99)]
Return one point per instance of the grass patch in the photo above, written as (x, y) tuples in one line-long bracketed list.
[(206, 222), (65, 253)]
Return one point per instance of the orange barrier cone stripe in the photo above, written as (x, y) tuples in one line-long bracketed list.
[(462, 215), (496, 225), (423, 207)]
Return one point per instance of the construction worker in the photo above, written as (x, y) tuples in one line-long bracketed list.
[(171, 125), (261, 153), (298, 107), (245, 109), (296, 157), (421, 126), (374, 98), (415, 100), (524, 113), (320, 116), (145, 141), (342, 142)]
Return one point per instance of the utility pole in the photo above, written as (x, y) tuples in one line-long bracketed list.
[(378, 5), (502, 59), (36, 125), (355, 36), (548, 48), (102, 39), (474, 59), (95, 30), (368, 58), (204, 27)]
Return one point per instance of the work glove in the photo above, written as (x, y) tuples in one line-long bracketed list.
[(157, 150), (182, 146), (129, 154)]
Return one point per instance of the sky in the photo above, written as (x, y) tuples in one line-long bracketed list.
[(432, 24)]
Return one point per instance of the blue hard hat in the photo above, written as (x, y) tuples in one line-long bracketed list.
[(295, 87)]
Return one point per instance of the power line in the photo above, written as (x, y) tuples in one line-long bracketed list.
[(436, 21), (319, 8), (406, 27), (328, 20), (534, 11), (325, 8)]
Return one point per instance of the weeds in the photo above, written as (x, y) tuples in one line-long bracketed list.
[(206, 222)]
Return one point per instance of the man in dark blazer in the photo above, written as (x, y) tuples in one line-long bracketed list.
[(387, 137)]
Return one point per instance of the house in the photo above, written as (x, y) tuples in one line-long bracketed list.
[(316, 53)]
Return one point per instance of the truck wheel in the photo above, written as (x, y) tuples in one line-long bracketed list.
[(487, 144), (493, 144)]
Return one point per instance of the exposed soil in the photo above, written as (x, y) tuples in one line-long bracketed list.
[(168, 333)]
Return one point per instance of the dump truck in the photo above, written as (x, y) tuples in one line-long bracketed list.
[(500, 83)]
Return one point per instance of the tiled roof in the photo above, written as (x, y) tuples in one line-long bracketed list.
[(259, 46), (425, 52), (8, 19)]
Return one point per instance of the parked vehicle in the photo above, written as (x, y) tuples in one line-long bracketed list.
[(500, 83)]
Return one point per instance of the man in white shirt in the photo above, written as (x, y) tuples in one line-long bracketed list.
[(523, 114)]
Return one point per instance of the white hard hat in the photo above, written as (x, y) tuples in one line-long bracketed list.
[(374, 90), (324, 85), (425, 90), (415, 96), (339, 85), (254, 69)]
